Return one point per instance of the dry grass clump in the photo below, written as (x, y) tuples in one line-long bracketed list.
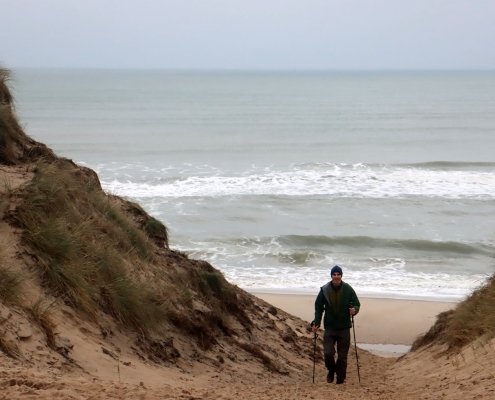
[(10, 285), (268, 362), (154, 228), (9, 348), (202, 326), (220, 302), (217, 292), (5, 95), (89, 251), (15, 146), (214, 285), (472, 319), (10, 130), (41, 311), (157, 230)]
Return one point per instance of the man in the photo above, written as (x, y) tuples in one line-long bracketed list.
[(339, 301)]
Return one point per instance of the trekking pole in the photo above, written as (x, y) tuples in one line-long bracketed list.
[(314, 354), (314, 358), (355, 346)]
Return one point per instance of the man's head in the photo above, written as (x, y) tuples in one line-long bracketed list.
[(336, 274)]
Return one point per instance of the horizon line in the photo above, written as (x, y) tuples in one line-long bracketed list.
[(258, 69)]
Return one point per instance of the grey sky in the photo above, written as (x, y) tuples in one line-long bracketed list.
[(249, 34)]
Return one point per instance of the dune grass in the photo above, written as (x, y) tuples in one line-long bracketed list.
[(214, 285), (10, 285), (157, 230), (41, 312), (9, 348), (10, 130), (5, 94), (89, 251), (473, 320)]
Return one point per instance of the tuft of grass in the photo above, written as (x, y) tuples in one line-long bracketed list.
[(5, 184), (41, 311), (10, 285), (185, 296), (5, 78), (472, 319), (194, 325), (134, 238), (268, 362), (157, 231), (9, 348), (214, 283), (52, 238), (435, 332), (218, 293), (130, 303), (10, 131)]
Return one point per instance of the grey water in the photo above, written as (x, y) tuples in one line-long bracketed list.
[(274, 177)]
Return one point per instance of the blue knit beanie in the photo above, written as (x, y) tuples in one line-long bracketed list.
[(336, 269)]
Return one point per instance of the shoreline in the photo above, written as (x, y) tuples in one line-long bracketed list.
[(365, 294), (382, 323)]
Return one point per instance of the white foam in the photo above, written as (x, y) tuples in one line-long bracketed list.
[(260, 270), (334, 181), (255, 264)]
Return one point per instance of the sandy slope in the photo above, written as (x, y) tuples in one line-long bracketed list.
[(416, 376)]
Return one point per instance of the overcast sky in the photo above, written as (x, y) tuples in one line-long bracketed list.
[(249, 34)]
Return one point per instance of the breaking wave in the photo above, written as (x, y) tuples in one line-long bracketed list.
[(371, 242), (438, 179)]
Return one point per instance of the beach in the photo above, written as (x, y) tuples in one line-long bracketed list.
[(380, 322)]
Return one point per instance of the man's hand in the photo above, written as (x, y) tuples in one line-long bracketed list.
[(352, 311), (314, 327)]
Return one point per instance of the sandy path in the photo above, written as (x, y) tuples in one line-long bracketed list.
[(20, 383)]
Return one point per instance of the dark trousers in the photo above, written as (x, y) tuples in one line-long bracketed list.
[(341, 338)]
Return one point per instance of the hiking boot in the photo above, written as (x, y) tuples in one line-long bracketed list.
[(340, 381), (330, 376)]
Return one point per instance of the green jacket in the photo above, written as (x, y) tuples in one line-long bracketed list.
[(322, 304)]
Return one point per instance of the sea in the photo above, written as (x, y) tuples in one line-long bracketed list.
[(274, 177)]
